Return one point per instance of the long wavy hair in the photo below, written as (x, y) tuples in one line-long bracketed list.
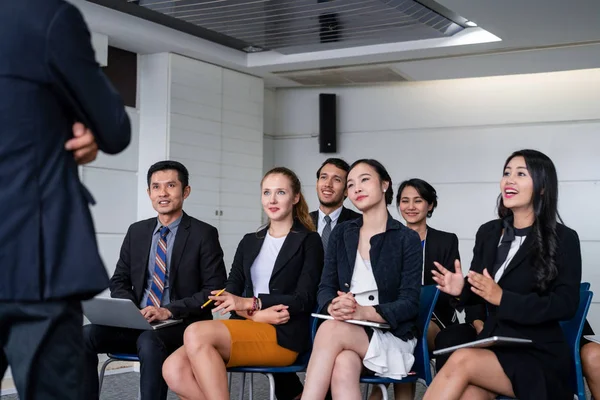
[(300, 210), (545, 208)]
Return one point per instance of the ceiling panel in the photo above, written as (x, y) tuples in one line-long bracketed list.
[(297, 26)]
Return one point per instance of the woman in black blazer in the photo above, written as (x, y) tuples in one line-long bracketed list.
[(526, 269), (372, 272), (416, 200), (271, 290)]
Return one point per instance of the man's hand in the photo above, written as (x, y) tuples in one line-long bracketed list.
[(152, 313), (83, 144)]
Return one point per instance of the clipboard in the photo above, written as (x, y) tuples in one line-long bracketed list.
[(355, 321), (484, 343)]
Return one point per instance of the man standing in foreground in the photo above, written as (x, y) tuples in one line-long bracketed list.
[(49, 259)]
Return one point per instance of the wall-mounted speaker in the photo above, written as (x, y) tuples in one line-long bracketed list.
[(327, 123)]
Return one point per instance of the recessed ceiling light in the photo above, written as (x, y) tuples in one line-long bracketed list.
[(252, 49), (471, 24)]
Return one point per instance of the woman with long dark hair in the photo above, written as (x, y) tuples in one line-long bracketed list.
[(526, 269), (372, 272), (271, 291)]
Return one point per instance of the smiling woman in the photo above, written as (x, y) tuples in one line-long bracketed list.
[(270, 292), (526, 271)]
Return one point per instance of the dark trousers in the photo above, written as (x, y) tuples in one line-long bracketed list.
[(42, 343), (452, 336), (152, 347), (287, 386)]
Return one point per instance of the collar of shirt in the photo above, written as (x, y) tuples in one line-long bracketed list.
[(334, 215), (173, 225)]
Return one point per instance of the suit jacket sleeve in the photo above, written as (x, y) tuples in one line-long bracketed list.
[(560, 302), (83, 85), (212, 272), (467, 298), (406, 305), (329, 285), (304, 298), (120, 285), (236, 281)]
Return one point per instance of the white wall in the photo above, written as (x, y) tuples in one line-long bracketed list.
[(112, 181), (456, 134)]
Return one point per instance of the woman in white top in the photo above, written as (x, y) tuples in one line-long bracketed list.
[(373, 273), (271, 290)]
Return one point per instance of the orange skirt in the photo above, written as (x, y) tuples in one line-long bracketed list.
[(254, 344)]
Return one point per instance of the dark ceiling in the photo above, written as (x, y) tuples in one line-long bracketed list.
[(297, 26)]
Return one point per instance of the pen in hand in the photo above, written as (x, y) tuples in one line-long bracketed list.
[(209, 301)]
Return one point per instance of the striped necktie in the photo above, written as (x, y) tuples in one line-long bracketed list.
[(160, 270)]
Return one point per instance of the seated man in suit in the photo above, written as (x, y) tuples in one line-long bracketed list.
[(168, 266), (331, 190)]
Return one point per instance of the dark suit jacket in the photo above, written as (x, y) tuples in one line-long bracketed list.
[(523, 312), (346, 215), (197, 267), (293, 282), (48, 80), (397, 261), (441, 247)]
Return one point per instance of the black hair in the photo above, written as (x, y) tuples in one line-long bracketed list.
[(383, 176), (182, 172), (425, 190), (338, 162), (545, 208)]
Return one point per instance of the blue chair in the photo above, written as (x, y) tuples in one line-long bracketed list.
[(298, 366), (573, 330), (112, 357), (421, 367), (584, 286)]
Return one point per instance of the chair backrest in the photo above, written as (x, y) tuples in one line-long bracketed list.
[(584, 286), (573, 330), (427, 301)]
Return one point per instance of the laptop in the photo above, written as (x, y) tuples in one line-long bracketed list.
[(355, 321), (487, 342), (120, 313)]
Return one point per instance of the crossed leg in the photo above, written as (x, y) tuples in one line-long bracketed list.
[(470, 374)]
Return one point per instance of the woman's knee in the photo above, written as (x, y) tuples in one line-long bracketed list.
[(590, 357), (346, 369), (343, 333), (175, 368), (199, 334), (458, 363)]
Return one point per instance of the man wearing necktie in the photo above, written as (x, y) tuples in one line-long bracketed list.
[(168, 266)]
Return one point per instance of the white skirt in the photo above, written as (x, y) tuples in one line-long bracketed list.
[(389, 356)]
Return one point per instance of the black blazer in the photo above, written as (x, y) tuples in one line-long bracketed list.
[(397, 260), (346, 215), (441, 247), (293, 282), (523, 312), (48, 80), (197, 267)]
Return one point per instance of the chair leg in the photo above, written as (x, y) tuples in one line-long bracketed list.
[(251, 387), (241, 397), (271, 386), (229, 381), (366, 391), (383, 391), (102, 372)]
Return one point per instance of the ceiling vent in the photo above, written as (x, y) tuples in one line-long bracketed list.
[(344, 76)]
